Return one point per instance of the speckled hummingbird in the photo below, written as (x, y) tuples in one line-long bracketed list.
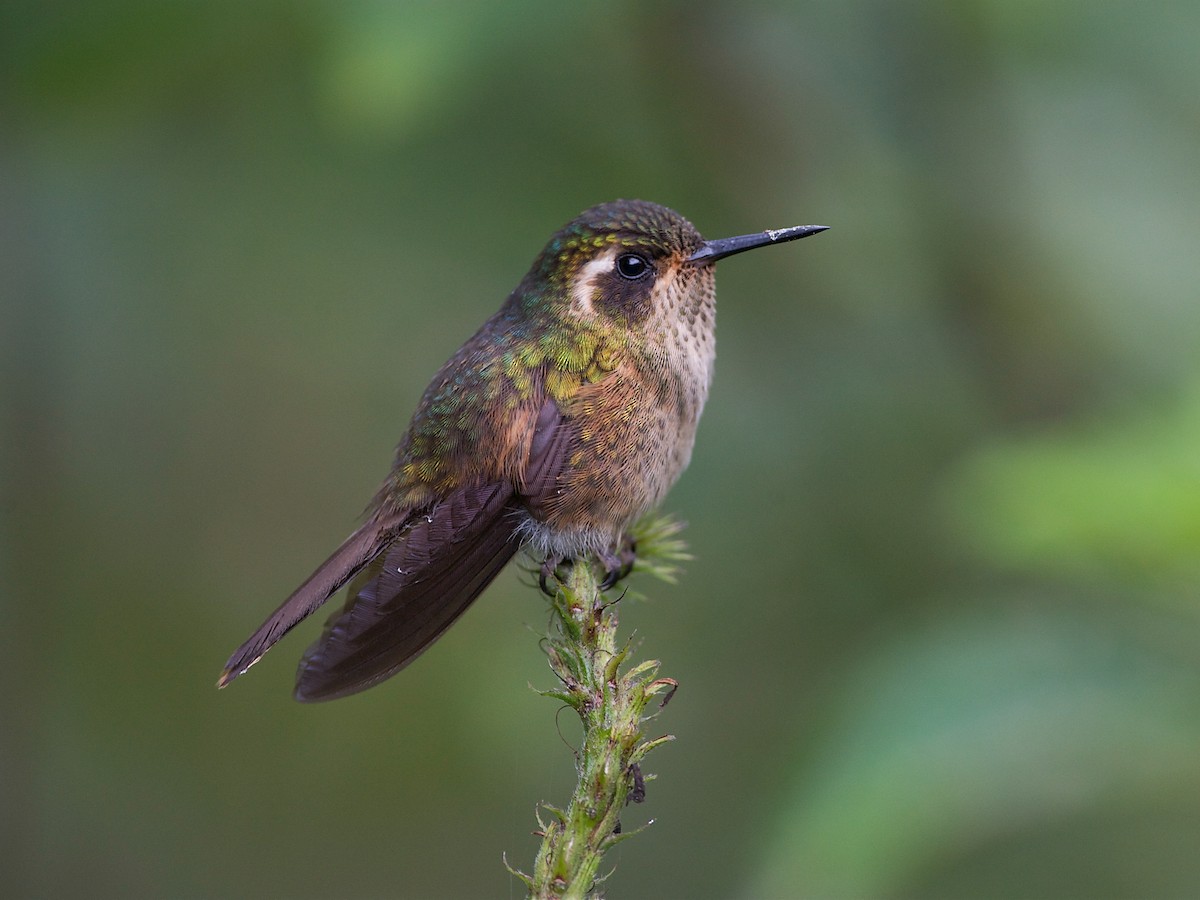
[(570, 413)]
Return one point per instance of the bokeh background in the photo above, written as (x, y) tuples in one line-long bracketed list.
[(941, 637)]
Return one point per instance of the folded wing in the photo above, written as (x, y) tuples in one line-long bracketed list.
[(412, 591), (356, 552)]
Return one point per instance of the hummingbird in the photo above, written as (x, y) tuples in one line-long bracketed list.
[(566, 416)]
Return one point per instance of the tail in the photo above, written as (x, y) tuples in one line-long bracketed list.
[(358, 550), (412, 591)]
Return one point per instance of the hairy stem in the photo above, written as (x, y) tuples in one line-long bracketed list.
[(610, 698)]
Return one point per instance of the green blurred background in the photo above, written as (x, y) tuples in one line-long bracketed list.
[(941, 637)]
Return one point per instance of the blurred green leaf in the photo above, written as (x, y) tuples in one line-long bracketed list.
[(1117, 497), (951, 737)]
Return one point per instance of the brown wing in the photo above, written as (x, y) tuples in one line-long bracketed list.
[(554, 438), (412, 592), (357, 550), (443, 559)]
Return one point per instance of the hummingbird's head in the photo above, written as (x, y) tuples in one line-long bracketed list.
[(621, 261), (632, 262)]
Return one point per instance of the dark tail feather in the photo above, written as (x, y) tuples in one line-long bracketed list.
[(358, 550), (411, 593)]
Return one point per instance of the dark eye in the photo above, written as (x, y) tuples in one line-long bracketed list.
[(632, 266)]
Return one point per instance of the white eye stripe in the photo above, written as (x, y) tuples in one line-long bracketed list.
[(585, 280), (599, 265)]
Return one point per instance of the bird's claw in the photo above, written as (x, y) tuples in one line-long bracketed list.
[(549, 570), (612, 574), (618, 565)]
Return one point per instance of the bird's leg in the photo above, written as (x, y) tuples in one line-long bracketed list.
[(619, 564), (627, 554), (550, 569)]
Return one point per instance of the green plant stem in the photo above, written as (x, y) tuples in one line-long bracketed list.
[(583, 654)]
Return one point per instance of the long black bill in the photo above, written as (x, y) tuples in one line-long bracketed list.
[(711, 251)]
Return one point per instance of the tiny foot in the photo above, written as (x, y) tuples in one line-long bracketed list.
[(627, 555), (618, 565), (549, 570)]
